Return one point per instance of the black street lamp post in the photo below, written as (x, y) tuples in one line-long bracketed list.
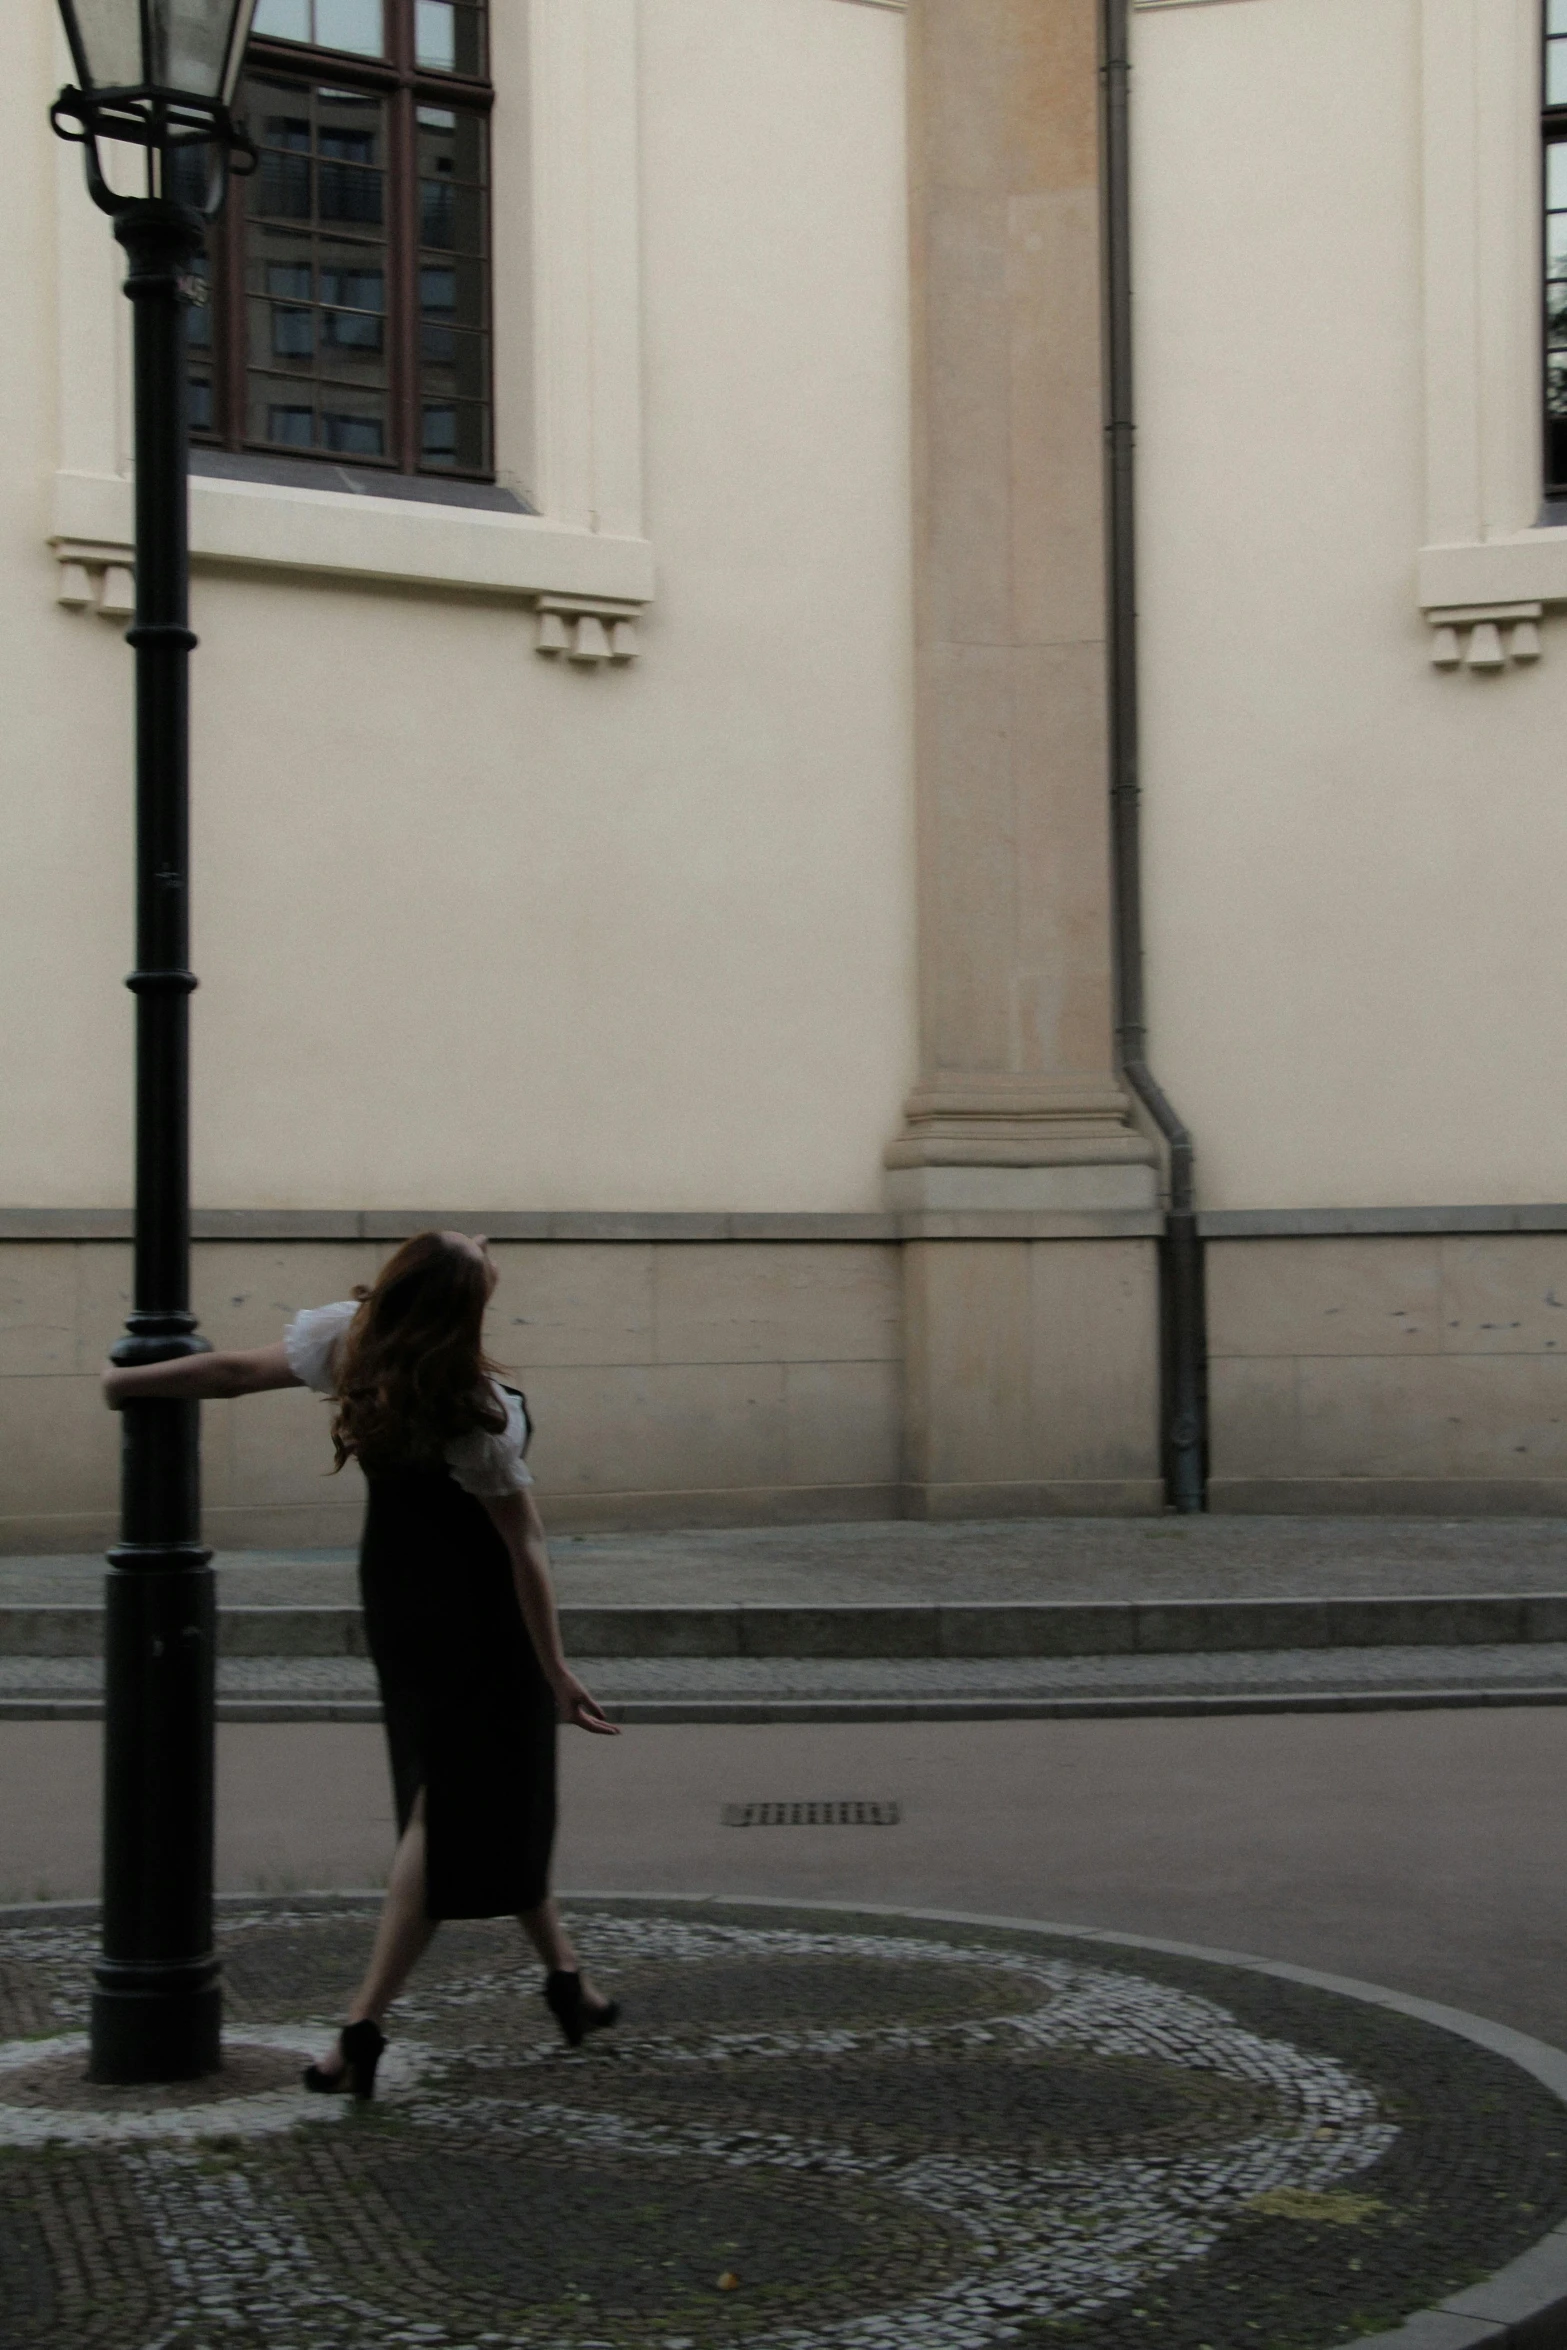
[(159, 74)]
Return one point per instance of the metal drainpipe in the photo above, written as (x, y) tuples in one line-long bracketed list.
[(1181, 1266)]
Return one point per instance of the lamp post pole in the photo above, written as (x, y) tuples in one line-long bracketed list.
[(159, 75), (156, 2007)]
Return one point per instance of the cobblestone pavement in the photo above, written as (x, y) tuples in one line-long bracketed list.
[(311, 1683), (1035, 1558), (811, 2132)]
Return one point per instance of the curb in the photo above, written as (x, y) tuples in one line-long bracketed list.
[(997, 1629), (667, 1712), (1522, 2307)]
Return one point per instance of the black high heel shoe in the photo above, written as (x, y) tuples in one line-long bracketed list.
[(562, 1995), (362, 2045)]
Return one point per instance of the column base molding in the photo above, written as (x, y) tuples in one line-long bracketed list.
[(980, 1141), (1090, 1185)]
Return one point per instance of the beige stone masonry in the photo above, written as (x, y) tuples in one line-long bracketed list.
[(1032, 1378), (670, 1383), (1031, 1372), (1015, 952), (1422, 1371)]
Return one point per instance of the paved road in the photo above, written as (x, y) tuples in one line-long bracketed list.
[(1426, 1851), (1034, 1558)]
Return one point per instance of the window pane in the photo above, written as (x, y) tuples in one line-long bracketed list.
[(451, 185), (1556, 16), (281, 188), (456, 437), (454, 353), (348, 140), (1556, 456), (339, 423), (293, 333), (352, 320), (289, 281), (316, 274), (1556, 73), (435, 36), (346, 330), (451, 144), (453, 292), (282, 20), (454, 362), (451, 219), (354, 25), (1556, 177), (285, 414), (449, 37), (357, 430), (357, 26), (318, 312)]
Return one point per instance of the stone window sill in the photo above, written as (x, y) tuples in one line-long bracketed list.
[(345, 535), (1530, 567), (1485, 599)]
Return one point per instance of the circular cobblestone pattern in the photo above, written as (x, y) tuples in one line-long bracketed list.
[(811, 2132)]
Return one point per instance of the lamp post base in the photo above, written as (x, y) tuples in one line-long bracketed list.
[(154, 2023), (156, 2006)]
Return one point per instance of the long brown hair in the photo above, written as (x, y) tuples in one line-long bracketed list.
[(413, 1372)]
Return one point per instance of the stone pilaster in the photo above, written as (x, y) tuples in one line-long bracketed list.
[(1017, 1105), (1030, 1287)]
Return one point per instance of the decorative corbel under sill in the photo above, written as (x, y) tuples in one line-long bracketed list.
[(96, 575), (1484, 638), (589, 630), (99, 575)]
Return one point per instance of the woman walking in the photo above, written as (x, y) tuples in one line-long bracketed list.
[(459, 1612)]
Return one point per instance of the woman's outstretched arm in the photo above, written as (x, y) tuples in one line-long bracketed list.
[(250, 1372), (520, 1527)]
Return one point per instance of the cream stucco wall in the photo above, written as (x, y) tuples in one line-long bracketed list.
[(475, 928), (1357, 957)]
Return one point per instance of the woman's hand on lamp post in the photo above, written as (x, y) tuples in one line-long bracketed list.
[(225, 1372)]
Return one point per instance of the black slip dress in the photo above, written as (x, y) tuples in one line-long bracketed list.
[(469, 1715)]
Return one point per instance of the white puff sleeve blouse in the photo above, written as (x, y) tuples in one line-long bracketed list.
[(486, 1463)]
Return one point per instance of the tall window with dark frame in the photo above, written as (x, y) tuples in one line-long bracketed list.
[(350, 282), (1555, 186)]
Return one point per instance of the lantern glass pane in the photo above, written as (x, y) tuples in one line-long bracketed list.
[(192, 44), (110, 35)]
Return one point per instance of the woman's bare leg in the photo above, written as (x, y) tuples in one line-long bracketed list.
[(402, 1935), (554, 1945)]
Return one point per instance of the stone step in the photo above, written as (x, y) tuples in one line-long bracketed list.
[(884, 1689), (958, 1628)]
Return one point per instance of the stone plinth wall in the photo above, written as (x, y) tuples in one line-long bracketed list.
[(684, 1381), (1421, 1371), (871, 1369)]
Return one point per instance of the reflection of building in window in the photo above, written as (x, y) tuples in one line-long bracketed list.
[(1555, 119), (351, 273)]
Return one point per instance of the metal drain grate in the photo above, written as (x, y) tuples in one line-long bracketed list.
[(811, 1815)]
